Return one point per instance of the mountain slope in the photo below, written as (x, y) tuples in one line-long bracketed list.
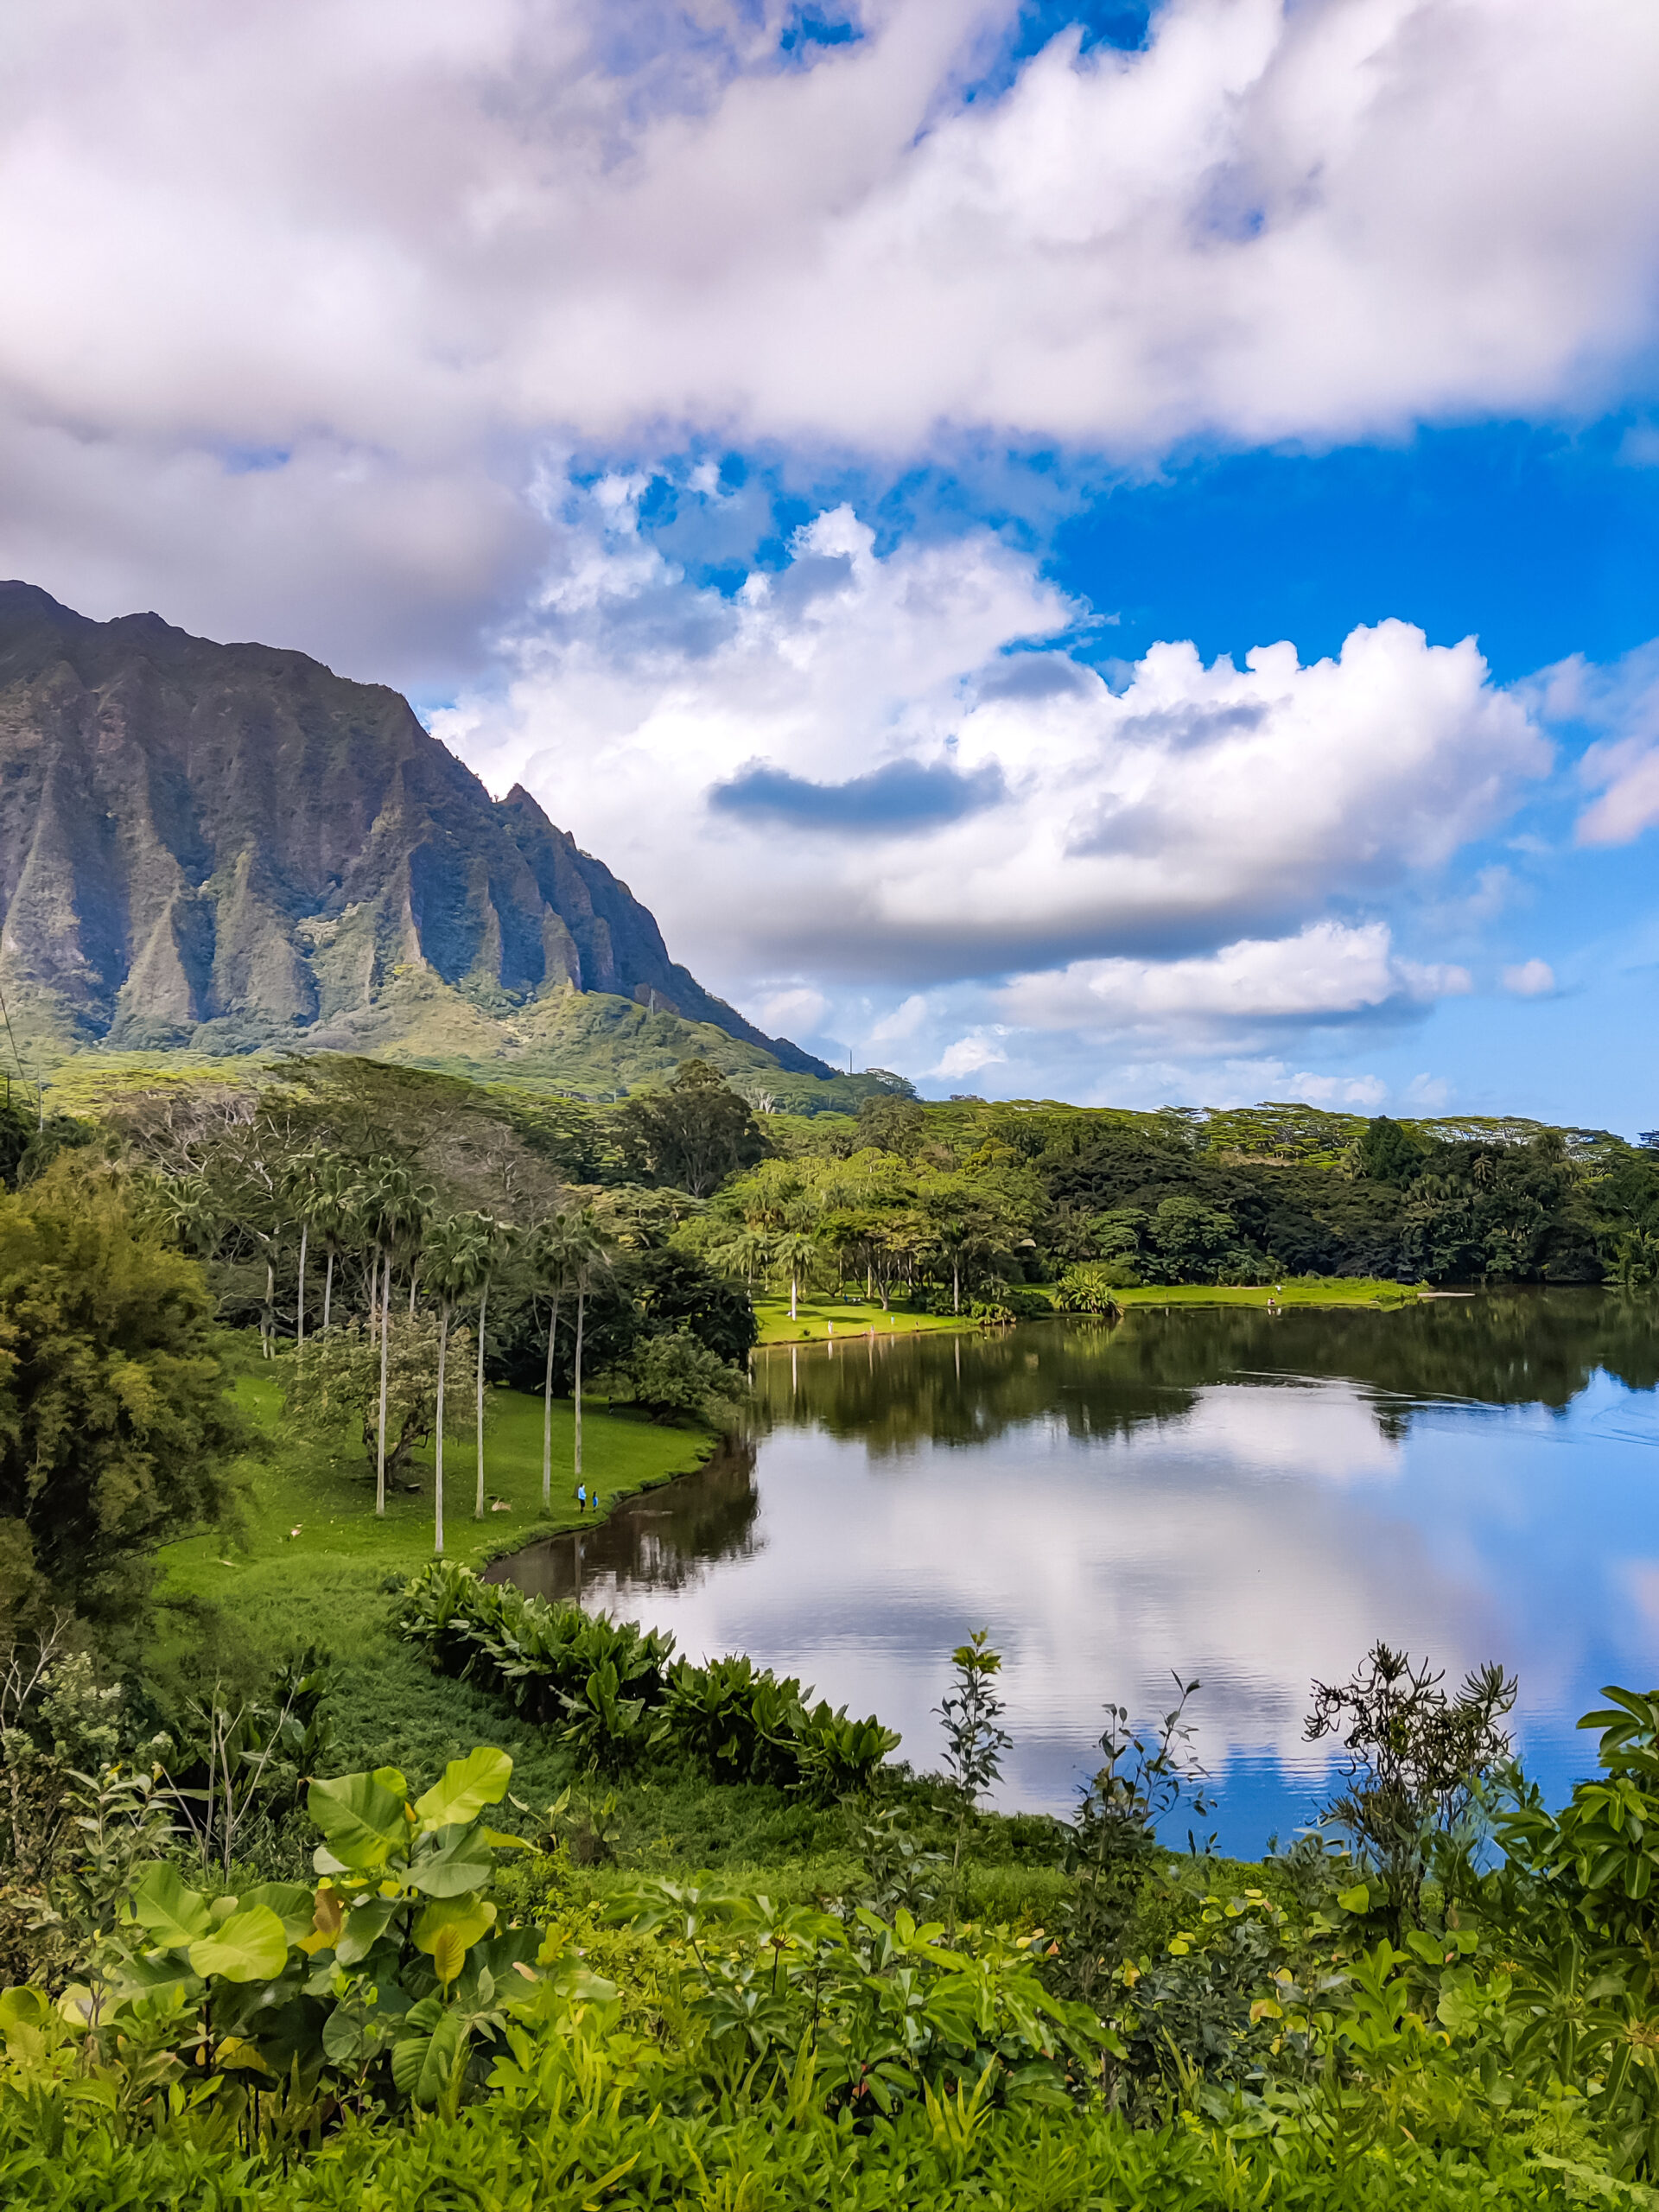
[(227, 848)]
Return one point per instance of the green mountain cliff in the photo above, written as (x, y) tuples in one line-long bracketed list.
[(216, 848)]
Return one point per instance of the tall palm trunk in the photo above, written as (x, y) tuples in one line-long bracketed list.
[(955, 1285), (268, 1318), (581, 1294), (444, 1311), (328, 1286), (380, 1432), (547, 1410), (414, 1279), (299, 1309), (483, 1307)]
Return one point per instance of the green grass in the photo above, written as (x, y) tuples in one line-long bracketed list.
[(814, 1316), (1331, 1290), (310, 1562)]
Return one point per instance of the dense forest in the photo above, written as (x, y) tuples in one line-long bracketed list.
[(702, 1202)]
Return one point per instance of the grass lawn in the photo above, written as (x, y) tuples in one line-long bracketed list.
[(814, 1316), (311, 1563), (1332, 1290)]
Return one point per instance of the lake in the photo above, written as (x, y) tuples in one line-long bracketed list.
[(1246, 1497)]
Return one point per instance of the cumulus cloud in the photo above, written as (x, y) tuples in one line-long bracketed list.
[(969, 1055), (384, 253), (1324, 973), (1613, 710), (1532, 979), (907, 818), (791, 1009)]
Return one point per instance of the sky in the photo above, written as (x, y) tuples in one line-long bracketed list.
[(1075, 551)]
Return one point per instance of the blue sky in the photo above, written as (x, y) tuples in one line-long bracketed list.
[(1082, 551)]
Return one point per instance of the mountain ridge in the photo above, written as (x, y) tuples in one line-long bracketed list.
[(229, 848)]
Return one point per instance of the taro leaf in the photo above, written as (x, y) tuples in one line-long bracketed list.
[(457, 1865), (361, 1816), (468, 1785), (24, 2008), (250, 1947), (421, 2063), (293, 1903), (364, 1925), (173, 1914), (449, 1955), (343, 2040), (326, 1922), (236, 2054), (157, 1979), (456, 1923)]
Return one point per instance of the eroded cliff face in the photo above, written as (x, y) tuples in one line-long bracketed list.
[(229, 847)]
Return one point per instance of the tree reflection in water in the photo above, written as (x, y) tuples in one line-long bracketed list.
[(665, 1539)]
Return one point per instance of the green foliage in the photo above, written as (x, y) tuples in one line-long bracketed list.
[(391, 1972), (971, 1712), (1414, 1763), (616, 1695), (673, 1376), (694, 1134), (1143, 1779), (333, 1391), (115, 1432), (1388, 1151), (418, 2025), (1088, 1288)]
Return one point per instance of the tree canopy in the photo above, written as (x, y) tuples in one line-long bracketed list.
[(116, 1431)]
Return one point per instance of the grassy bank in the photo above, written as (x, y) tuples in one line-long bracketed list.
[(818, 1318), (1331, 1290), (310, 1562)]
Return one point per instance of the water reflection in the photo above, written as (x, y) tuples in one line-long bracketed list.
[(665, 1538), (1246, 1498)]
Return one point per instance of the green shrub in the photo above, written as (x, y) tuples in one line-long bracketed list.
[(614, 1693), (1088, 1288)]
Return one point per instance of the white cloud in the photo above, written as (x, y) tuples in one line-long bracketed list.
[(1358, 1093), (796, 1009), (1327, 971), (1618, 707), (384, 251), (1533, 979), (967, 1055), (1428, 1094), (903, 1022), (884, 783)]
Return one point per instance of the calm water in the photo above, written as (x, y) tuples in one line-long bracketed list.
[(1248, 1498)]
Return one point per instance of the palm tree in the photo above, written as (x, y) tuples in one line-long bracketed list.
[(748, 1248), (395, 1209), (299, 1184), (549, 1259), (494, 1241), (584, 1255), (188, 1208), (334, 1199), (795, 1250), (456, 1255)]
